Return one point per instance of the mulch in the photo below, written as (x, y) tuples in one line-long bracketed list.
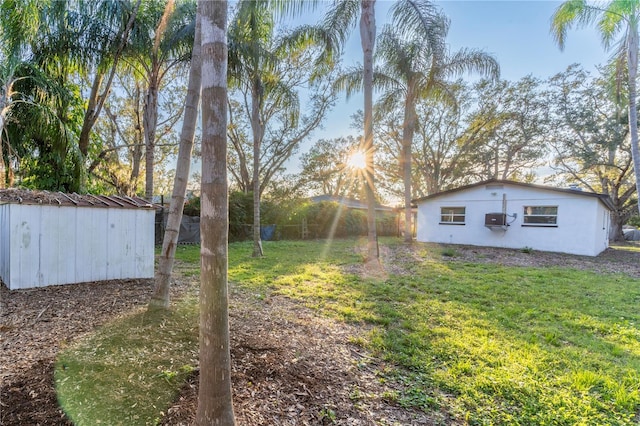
[(289, 366)]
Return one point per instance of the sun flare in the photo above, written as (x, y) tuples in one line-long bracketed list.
[(357, 160)]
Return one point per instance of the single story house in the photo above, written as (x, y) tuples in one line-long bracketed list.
[(50, 238), (501, 213)]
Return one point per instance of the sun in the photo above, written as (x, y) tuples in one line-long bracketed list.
[(357, 160)]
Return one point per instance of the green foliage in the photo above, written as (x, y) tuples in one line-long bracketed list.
[(634, 221), (324, 219), (449, 252), (240, 215), (192, 207)]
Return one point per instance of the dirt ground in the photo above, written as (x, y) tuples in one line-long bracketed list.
[(289, 366)]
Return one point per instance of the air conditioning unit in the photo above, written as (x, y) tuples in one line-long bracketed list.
[(495, 219)]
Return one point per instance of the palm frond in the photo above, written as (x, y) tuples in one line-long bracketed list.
[(340, 20), (473, 60), (421, 19), (351, 81), (570, 13)]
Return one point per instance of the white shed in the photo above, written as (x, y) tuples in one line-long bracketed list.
[(54, 238), (499, 213)]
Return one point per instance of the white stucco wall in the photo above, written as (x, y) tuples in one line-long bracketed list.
[(49, 244), (582, 221)]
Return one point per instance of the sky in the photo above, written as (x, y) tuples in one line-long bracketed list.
[(515, 32)]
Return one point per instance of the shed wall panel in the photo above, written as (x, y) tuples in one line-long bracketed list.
[(25, 246), (5, 239), (50, 244), (114, 245), (145, 242), (58, 254)]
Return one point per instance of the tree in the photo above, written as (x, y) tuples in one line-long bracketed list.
[(508, 129), (114, 29), (443, 153), (590, 140), (325, 168), (214, 397), (66, 41), (282, 135), (338, 23), (166, 259), (409, 17), (118, 144), (161, 40), (257, 66), (611, 18), (418, 67)]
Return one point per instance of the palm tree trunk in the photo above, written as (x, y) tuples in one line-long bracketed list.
[(160, 296), (215, 405), (256, 125), (367, 36), (408, 129), (150, 121), (632, 58)]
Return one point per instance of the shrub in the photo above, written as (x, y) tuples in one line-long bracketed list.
[(634, 221)]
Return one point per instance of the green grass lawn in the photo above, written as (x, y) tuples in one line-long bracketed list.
[(487, 344)]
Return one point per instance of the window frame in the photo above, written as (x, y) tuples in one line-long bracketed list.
[(453, 215), (553, 224)]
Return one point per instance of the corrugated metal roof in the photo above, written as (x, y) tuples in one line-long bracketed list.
[(33, 197)]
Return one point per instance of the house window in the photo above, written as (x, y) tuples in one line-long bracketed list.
[(452, 215), (540, 216)]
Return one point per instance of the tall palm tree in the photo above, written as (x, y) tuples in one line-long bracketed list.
[(160, 41), (215, 405), (611, 18), (408, 16), (254, 54), (417, 68), (167, 255)]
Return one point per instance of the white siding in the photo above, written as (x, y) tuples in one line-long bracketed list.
[(579, 228), (47, 244), (5, 240), (25, 246), (145, 241)]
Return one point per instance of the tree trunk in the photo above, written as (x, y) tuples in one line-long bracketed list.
[(150, 121), (215, 405), (93, 110), (632, 57), (136, 153), (150, 118), (367, 36), (258, 131), (96, 101), (167, 256), (615, 230), (408, 129)]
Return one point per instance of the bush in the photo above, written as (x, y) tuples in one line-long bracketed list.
[(634, 221), (288, 216)]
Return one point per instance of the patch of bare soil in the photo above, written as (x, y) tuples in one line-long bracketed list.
[(290, 367), (35, 323), (614, 260)]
